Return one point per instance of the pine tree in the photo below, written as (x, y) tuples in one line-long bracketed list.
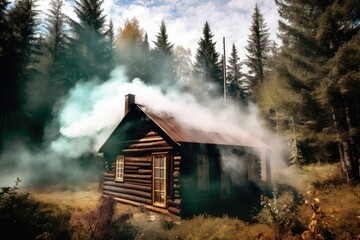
[(257, 51), (206, 67), (339, 90), (89, 41), (163, 70), (19, 60), (58, 49), (236, 86)]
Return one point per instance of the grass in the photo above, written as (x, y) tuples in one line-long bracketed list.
[(339, 201)]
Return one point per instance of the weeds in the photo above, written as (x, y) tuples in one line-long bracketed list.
[(318, 228), (280, 210)]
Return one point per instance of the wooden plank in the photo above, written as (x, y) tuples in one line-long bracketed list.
[(175, 211), (128, 185), (128, 191), (137, 176), (137, 159), (129, 197), (139, 181), (136, 204), (175, 203), (141, 164), (147, 149), (145, 171), (109, 175), (149, 144)]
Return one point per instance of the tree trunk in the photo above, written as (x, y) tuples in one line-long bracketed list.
[(349, 161)]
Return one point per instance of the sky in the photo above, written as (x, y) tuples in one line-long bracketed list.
[(185, 19)]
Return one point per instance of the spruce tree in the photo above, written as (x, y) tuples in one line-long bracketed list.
[(18, 65), (58, 49), (339, 91), (162, 56), (257, 51), (236, 86), (89, 41), (206, 67)]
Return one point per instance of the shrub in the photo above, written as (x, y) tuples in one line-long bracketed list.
[(280, 210), (102, 224), (318, 228), (22, 217)]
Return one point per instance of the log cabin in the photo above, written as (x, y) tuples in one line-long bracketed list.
[(155, 161)]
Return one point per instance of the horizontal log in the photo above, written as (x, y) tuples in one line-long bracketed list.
[(130, 171), (139, 181), (175, 211), (140, 164), (109, 175), (176, 203), (177, 157), (127, 185), (142, 171), (147, 149), (127, 191), (109, 178), (161, 143), (176, 195), (137, 159), (136, 204), (128, 197), (176, 186), (176, 168), (176, 163), (132, 167), (137, 176)]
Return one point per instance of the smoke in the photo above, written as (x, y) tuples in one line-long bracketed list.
[(87, 115)]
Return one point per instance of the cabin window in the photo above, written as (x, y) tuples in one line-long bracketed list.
[(253, 168), (119, 168), (159, 180), (203, 171)]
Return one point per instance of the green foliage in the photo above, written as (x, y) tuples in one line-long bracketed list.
[(236, 84), (162, 60), (280, 210), (206, 67), (257, 50), (22, 217)]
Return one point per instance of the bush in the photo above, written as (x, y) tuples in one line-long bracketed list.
[(280, 210), (101, 223), (22, 217)]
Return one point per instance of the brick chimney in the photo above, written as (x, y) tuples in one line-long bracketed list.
[(129, 100)]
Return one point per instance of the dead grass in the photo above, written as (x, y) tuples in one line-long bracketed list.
[(340, 203)]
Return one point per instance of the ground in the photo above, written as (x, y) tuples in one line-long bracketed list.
[(339, 203)]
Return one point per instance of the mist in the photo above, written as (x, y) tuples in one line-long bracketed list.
[(87, 115)]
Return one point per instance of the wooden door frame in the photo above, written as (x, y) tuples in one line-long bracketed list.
[(166, 156)]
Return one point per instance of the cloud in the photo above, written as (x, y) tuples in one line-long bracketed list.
[(185, 19)]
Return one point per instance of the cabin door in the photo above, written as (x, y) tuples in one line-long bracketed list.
[(159, 180)]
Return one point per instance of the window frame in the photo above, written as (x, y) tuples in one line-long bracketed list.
[(119, 168), (164, 157)]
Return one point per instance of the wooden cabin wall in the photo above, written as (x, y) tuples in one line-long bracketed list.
[(137, 184)]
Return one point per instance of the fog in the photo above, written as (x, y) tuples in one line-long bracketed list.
[(86, 116)]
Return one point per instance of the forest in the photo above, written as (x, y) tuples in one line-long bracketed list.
[(307, 88)]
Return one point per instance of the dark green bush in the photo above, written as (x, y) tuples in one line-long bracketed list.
[(22, 217)]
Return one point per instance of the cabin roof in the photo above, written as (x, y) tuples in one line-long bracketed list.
[(180, 132)]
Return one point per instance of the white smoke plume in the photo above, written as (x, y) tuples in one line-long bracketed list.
[(91, 110)]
